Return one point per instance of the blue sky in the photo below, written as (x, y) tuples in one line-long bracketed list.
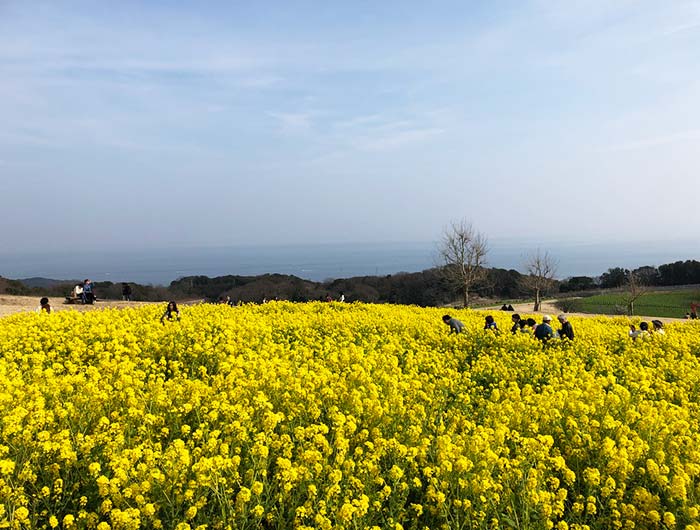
[(165, 124)]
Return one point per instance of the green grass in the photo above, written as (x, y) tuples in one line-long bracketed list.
[(654, 304)]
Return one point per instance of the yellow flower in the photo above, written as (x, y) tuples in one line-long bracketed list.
[(257, 488)]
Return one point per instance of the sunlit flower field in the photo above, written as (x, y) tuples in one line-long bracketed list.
[(329, 415)]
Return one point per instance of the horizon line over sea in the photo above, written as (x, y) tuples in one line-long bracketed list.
[(319, 262)]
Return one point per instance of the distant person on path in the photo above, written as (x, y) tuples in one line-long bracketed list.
[(455, 325), (510, 308), (44, 305), (329, 298), (544, 331), (88, 295), (504, 307), (566, 331), (658, 327), (491, 324), (693, 310), (516, 323), (126, 292), (171, 313), (342, 297)]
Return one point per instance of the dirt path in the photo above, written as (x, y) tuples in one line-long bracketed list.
[(10, 304)]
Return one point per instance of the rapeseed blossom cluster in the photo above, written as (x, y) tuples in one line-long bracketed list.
[(333, 416)]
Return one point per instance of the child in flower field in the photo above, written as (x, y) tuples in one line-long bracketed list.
[(171, 313), (516, 323), (641, 332), (44, 305), (526, 325), (658, 327), (455, 325), (491, 324)]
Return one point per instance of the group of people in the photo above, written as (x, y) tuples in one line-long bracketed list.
[(84, 292), (542, 331), (644, 329)]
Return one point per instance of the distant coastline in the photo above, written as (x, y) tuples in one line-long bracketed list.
[(326, 261)]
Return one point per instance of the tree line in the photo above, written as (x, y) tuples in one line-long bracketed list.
[(431, 287), (462, 273)]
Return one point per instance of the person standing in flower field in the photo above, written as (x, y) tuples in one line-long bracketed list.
[(566, 331), (171, 313), (455, 325)]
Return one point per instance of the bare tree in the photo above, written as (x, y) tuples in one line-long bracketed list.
[(635, 289), (462, 251), (540, 268)]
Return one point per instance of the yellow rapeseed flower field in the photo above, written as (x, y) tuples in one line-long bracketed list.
[(328, 415)]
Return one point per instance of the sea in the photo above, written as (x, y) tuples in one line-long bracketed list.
[(321, 262)]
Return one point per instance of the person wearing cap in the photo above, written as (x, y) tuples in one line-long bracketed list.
[(566, 331), (455, 325), (544, 331)]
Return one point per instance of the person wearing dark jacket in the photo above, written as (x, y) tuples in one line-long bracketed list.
[(544, 331), (516, 323), (566, 331), (126, 292)]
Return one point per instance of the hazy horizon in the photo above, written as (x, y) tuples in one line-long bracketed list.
[(154, 125), (320, 262)]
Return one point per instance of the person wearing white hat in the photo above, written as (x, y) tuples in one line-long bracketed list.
[(544, 331)]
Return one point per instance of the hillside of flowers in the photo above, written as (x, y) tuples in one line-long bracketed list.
[(329, 415)]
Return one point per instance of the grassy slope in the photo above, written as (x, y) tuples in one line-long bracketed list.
[(661, 304)]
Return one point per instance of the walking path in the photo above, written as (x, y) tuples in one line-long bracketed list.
[(10, 304)]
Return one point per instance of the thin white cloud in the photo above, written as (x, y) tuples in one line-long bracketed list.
[(681, 28), (692, 135), (397, 139), (293, 123)]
